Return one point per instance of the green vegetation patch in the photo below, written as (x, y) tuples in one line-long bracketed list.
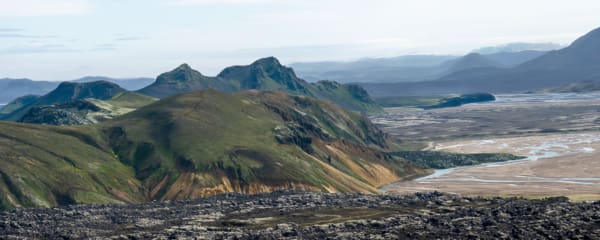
[(443, 160), (463, 99), (432, 102), (409, 101)]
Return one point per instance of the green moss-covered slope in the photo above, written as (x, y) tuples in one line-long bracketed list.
[(85, 111), (194, 145)]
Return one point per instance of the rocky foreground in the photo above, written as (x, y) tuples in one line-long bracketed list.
[(282, 215)]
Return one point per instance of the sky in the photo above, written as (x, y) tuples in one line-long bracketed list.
[(68, 39)]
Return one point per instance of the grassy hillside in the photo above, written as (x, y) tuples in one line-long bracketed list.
[(409, 101), (349, 96), (123, 103), (201, 143), (194, 145), (44, 166), (130, 100), (443, 160), (462, 99), (85, 111)]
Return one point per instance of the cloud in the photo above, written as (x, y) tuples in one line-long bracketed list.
[(24, 36), (132, 38), (104, 47), (29, 8), (37, 48), (11, 29), (303, 52), (223, 2)]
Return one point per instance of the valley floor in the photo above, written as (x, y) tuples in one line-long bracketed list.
[(558, 136), (556, 165)]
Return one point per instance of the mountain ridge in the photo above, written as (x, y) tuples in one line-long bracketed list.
[(574, 63), (263, 74), (471, 61)]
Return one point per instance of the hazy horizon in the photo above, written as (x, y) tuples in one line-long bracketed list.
[(69, 39)]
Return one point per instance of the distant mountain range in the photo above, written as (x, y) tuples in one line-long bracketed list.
[(13, 88), (470, 61), (579, 62), (508, 68), (511, 59), (412, 68), (518, 47), (396, 69)]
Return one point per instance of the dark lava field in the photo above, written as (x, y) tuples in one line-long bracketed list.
[(303, 215)]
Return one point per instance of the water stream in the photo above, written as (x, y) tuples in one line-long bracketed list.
[(549, 148)]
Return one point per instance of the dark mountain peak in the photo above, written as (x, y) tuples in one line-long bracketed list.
[(583, 53), (71, 90), (329, 84), (66, 84), (184, 67), (473, 58), (473, 55), (273, 68), (183, 79), (127, 83), (182, 73), (511, 59), (264, 74), (588, 43), (470, 61), (268, 62), (92, 79), (87, 85)]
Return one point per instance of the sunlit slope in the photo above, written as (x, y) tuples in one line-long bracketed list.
[(194, 145), (47, 166), (208, 142)]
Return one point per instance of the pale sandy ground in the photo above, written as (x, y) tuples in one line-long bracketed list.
[(491, 119), (557, 164), (559, 133)]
